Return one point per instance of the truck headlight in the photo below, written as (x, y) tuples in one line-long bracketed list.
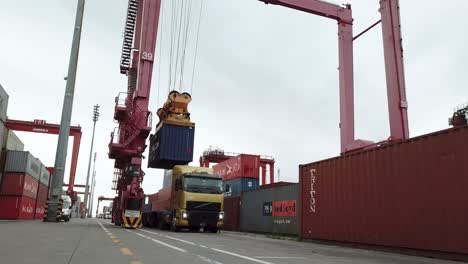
[(184, 215), (221, 216)]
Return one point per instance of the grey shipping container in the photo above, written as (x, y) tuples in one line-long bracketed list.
[(240, 185), (167, 179), (271, 210), (3, 135), (45, 176), (13, 142), (3, 104), (23, 161)]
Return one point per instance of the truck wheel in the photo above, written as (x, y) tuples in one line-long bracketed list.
[(174, 227)]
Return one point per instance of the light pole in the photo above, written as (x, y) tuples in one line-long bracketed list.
[(93, 186), (95, 119), (64, 132)]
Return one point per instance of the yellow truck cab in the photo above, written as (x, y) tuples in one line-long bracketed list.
[(194, 200)]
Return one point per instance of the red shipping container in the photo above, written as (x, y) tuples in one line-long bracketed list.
[(242, 166), (39, 211), (42, 192), (412, 194), (19, 184), (17, 207), (232, 213), (163, 201)]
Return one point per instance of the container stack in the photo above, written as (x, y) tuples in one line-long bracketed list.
[(20, 183), (241, 173)]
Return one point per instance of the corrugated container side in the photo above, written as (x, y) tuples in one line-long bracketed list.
[(272, 210), (242, 166), (17, 207), (39, 211), (3, 134), (13, 142), (45, 176), (42, 193), (411, 195), (2, 164), (23, 161), (232, 213), (240, 185), (3, 104), (171, 145), (19, 184), (163, 201)]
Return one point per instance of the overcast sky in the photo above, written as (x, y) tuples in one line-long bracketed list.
[(266, 81)]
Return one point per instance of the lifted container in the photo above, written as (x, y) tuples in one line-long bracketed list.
[(171, 145)]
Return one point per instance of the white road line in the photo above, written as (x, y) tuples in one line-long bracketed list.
[(266, 257), (203, 246), (208, 260), (161, 243), (105, 229), (173, 238), (169, 246), (241, 256), (181, 240), (154, 233)]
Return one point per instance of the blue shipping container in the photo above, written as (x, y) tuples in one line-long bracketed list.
[(171, 145), (240, 185)]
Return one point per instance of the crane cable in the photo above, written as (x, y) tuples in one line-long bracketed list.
[(196, 46), (187, 26), (160, 51), (181, 18), (178, 42), (171, 52)]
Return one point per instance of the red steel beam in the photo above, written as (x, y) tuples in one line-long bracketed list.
[(343, 15), (394, 69)]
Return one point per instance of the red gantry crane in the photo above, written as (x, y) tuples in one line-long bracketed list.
[(41, 126), (128, 141)]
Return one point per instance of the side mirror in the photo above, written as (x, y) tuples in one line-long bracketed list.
[(227, 188)]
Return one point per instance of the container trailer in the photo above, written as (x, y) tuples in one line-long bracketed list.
[(194, 200)]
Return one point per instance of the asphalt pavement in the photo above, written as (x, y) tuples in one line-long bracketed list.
[(98, 241)]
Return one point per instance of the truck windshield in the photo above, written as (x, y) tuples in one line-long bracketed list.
[(203, 184)]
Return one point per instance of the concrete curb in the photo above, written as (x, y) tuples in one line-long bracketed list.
[(271, 236)]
